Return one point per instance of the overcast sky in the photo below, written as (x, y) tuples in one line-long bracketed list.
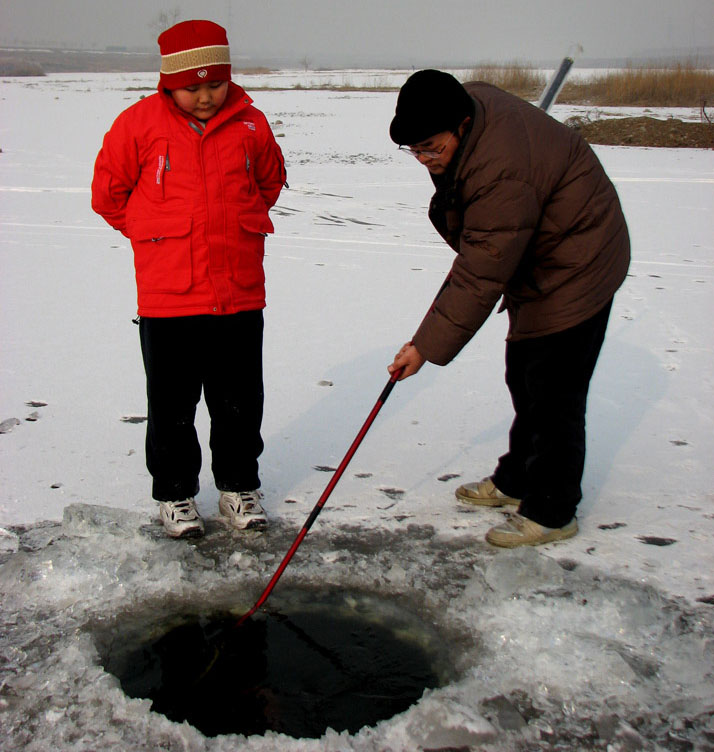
[(403, 32)]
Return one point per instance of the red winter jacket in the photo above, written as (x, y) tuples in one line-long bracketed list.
[(193, 202)]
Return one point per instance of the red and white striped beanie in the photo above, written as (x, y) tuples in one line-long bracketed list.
[(193, 52)]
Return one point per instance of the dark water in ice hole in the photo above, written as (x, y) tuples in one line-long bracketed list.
[(297, 674)]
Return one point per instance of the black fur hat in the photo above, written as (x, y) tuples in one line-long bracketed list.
[(430, 102)]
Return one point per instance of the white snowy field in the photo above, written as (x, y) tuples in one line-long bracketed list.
[(352, 268)]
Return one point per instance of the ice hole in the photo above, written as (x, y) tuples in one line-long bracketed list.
[(322, 660)]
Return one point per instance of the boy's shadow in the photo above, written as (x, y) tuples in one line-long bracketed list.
[(321, 436)]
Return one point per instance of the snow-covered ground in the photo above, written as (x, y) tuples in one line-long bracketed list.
[(611, 630)]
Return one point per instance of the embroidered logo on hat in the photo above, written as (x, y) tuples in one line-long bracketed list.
[(202, 73)]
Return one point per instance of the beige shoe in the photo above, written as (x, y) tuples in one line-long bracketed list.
[(520, 531), (483, 493)]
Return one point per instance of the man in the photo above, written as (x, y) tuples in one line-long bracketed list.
[(534, 220)]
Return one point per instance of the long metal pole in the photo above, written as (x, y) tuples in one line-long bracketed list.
[(555, 84)]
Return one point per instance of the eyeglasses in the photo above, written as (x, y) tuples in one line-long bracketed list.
[(429, 153)]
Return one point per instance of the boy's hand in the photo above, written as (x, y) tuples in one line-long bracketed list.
[(408, 358)]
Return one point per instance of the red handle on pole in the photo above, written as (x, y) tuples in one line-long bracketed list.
[(325, 495)]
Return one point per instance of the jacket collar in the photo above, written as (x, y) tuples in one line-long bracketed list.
[(236, 101), (470, 139)]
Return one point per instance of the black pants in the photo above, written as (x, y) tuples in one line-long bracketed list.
[(548, 378), (223, 356)]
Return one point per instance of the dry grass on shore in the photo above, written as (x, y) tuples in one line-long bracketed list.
[(680, 85), (517, 78)]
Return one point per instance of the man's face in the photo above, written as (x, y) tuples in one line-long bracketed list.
[(203, 100), (436, 153)]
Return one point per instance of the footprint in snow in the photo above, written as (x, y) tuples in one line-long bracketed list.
[(448, 476), (612, 526), (324, 468), (8, 424), (393, 493), (329, 219), (362, 222), (653, 540), (133, 419)]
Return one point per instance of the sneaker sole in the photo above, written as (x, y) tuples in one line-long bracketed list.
[(193, 532), (513, 541), (250, 525), (256, 525)]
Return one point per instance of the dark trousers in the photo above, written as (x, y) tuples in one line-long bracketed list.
[(223, 356), (548, 378)]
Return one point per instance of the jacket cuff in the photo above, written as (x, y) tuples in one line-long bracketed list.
[(438, 340)]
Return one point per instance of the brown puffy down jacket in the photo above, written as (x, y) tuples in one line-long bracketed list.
[(532, 217)]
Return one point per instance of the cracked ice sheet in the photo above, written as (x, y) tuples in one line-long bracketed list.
[(541, 650), (352, 268)]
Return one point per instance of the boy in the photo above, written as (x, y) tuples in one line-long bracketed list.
[(188, 175)]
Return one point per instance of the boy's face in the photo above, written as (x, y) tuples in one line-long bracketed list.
[(203, 100)]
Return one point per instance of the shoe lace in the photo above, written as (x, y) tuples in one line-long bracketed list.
[(250, 502), (185, 508), (516, 521)]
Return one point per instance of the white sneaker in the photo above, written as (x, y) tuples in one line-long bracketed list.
[(242, 509), (181, 518)]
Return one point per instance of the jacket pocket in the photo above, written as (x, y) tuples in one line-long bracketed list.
[(260, 224), (248, 231), (162, 253)]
